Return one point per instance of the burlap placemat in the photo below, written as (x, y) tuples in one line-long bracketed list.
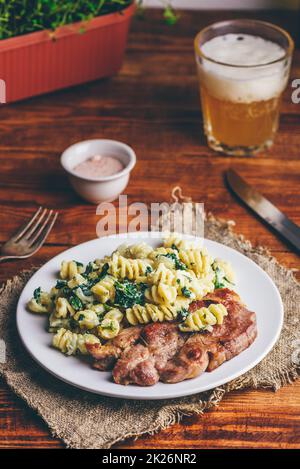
[(84, 420)]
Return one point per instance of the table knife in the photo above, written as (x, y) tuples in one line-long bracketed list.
[(265, 209)]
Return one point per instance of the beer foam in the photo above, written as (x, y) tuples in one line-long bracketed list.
[(257, 81)]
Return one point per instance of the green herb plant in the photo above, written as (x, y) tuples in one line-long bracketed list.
[(19, 17)]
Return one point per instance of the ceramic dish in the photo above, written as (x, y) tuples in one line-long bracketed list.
[(98, 189)]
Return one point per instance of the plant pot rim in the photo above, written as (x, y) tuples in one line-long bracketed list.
[(47, 35)]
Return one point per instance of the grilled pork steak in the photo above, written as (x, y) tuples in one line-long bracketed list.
[(237, 332), (207, 351), (191, 360), (137, 366), (164, 353), (107, 355), (163, 342), (141, 364)]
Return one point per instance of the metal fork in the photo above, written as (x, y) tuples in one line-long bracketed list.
[(30, 237)]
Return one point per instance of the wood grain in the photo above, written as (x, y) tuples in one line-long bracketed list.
[(152, 105)]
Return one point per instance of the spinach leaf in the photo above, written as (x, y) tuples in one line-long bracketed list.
[(60, 284), (177, 262), (89, 268), (73, 299), (128, 294), (75, 302), (103, 272), (182, 314), (86, 288), (186, 292), (219, 278), (37, 294)]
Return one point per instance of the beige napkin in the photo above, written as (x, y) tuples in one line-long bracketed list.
[(84, 420)]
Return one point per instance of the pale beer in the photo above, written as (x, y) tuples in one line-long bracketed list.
[(242, 77)]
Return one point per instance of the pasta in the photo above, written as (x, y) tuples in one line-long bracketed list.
[(136, 251), (84, 298), (160, 256), (224, 273), (76, 281), (204, 318), (104, 290), (197, 261), (110, 326), (193, 287), (70, 268), (162, 274), (56, 323), (87, 319), (63, 308), (40, 303), (161, 294), (150, 313), (71, 343), (175, 241), (134, 285), (133, 269), (114, 313)]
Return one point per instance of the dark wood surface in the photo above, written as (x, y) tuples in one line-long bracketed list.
[(152, 105)]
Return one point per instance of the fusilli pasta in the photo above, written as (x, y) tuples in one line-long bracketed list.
[(162, 274), (63, 308), (40, 303), (87, 319), (204, 318), (133, 269), (175, 241), (150, 313), (197, 261), (110, 325), (69, 269), (161, 294), (71, 343), (104, 290)]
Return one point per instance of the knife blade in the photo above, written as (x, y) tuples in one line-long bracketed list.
[(265, 209)]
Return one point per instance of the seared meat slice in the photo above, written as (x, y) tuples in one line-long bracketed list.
[(209, 350), (190, 362), (142, 364), (238, 331), (136, 366), (163, 341), (107, 355)]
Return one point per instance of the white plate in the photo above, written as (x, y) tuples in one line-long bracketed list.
[(254, 286)]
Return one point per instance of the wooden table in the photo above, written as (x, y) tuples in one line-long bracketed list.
[(152, 105)]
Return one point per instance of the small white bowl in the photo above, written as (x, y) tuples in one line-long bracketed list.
[(98, 189)]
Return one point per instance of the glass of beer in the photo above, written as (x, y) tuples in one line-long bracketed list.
[(243, 68)]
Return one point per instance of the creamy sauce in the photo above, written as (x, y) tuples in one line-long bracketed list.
[(99, 166)]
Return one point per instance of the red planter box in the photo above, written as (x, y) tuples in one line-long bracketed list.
[(36, 63)]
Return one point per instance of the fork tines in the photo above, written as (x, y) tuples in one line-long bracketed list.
[(36, 230)]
